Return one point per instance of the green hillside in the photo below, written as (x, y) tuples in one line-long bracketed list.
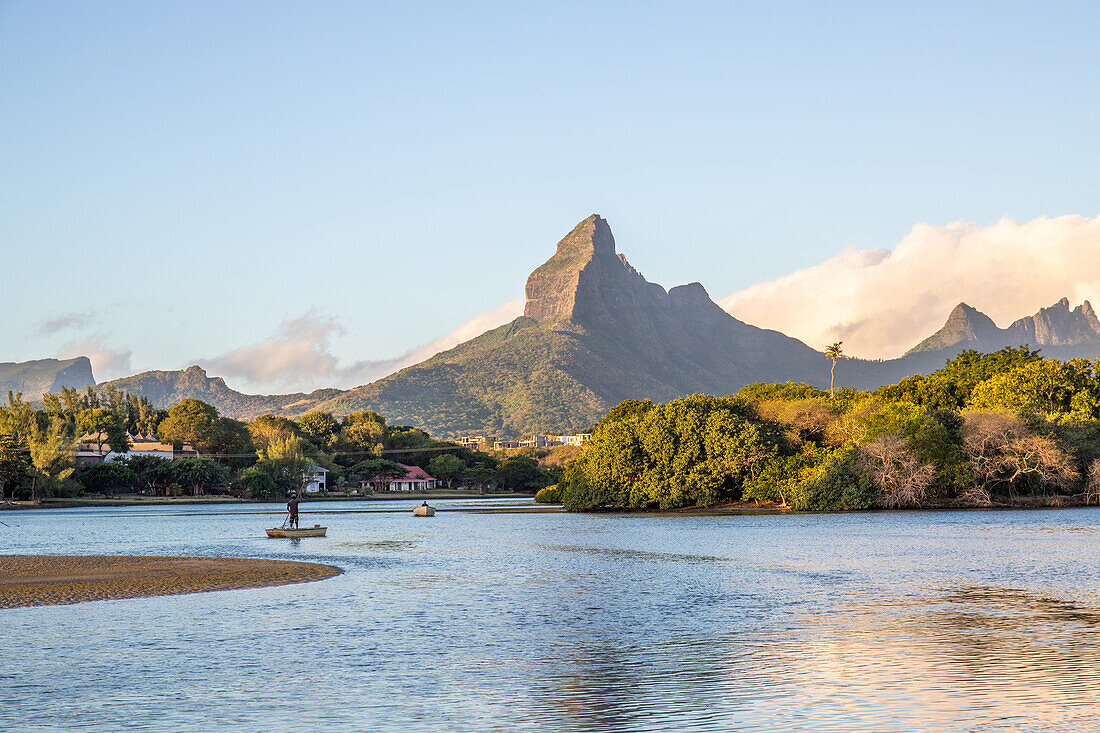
[(166, 388), (510, 380)]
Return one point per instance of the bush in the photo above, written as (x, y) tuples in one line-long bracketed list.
[(520, 473), (260, 484), (550, 495), (107, 477), (834, 485)]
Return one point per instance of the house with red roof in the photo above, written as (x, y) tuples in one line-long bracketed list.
[(416, 479)]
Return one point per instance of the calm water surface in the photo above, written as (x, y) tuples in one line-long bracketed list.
[(476, 621)]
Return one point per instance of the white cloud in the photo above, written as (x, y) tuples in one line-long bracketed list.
[(107, 363), (299, 357), (64, 322), (881, 303)]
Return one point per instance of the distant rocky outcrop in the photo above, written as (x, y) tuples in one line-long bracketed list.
[(35, 378), (165, 388), (1057, 331)]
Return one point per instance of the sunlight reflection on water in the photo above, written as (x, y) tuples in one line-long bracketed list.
[(485, 621)]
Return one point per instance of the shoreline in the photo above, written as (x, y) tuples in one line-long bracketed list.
[(132, 500), (772, 508), (52, 580)]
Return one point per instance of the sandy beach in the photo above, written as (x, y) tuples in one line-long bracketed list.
[(44, 580)]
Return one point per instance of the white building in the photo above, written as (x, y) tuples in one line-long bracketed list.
[(415, 479), (473, 442), (317, 480), (91, 448), (578, 439)]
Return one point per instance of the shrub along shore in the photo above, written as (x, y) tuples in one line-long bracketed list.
[(1003, 429)]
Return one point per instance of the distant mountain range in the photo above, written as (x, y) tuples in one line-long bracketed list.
[(595, 332), (168, 388), (1058, 330), (35, 378)]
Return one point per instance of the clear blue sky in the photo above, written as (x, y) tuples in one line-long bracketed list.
[(190, 175)]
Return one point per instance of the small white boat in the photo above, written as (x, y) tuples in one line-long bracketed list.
[(314, 531), (424, 510)]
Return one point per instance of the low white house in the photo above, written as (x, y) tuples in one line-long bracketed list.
[(317, 480), (91, 448)]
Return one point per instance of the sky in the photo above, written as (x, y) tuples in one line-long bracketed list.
[(298, 195)]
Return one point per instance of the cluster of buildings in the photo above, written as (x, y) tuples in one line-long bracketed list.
[(546, 440), (93, 448)]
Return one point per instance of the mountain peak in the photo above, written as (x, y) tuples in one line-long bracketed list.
[(552, 288), (965, 325), (1058, 325)]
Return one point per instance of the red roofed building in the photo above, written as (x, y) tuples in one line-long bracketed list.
[(416, 479)]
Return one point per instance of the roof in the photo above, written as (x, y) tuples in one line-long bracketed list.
[(138, 443), (415, 473)]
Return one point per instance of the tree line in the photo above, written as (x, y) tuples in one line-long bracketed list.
[(1010, 427), (267, 457)]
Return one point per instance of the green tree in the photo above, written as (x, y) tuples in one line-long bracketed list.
[(233, 443), (200, 474), (446, 468), (15, 464), (376, 470), (321, 428), (17, 418), (151, 472), (520, 473), (104, 426), (51, 455), (267, 428), (363, 431), (261, 483), (107, 477), (191, 422)]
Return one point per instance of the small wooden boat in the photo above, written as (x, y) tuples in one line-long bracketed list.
[(314, 531), (424, 510)]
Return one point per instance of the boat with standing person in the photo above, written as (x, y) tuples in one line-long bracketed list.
[(293, 532)]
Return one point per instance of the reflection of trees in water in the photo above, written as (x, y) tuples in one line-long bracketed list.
[(674, 684), (960, 658), (987, 630), (630, 651)]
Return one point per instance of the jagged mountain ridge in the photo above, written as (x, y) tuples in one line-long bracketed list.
[(165, 388), (1057, 330)]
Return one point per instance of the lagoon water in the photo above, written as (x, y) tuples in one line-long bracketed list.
[(496, 620)]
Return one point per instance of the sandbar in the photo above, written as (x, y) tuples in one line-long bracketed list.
[(47, 580)]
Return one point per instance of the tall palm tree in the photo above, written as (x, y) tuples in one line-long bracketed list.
[(833, 352)]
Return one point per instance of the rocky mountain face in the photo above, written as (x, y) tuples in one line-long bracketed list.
[(35, 378), (165, 388), (1057, 331), (594, 332)]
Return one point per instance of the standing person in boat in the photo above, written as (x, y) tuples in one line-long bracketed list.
[(292, 509)]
